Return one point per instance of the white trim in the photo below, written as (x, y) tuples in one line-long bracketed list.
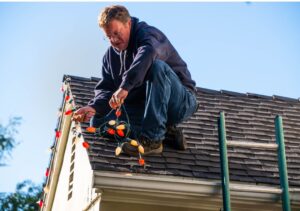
[(57, 163), (118, 186), (58, 157)]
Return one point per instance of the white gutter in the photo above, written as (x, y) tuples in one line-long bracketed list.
[(184, 188)]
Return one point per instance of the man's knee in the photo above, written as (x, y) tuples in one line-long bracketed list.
[(158, 68), (157, 63)]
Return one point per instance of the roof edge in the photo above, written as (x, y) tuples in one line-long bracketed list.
[(184, 186)]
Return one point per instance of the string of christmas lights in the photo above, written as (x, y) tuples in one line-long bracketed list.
[(115, 128), (120, 131), (64, 88)]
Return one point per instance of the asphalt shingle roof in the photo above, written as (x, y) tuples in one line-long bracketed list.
[(249, 117)]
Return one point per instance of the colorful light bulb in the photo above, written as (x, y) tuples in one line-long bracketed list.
[(91, 130), (57, 133), (141, 149), (118, 151), (118, 112), (134, 143), (40, 203), (47, 172), (70, 111), (112, 122), (121, 127), (46, 189), (67, 97), (120, 133), (141, 161), (85, 145), (110, 131)]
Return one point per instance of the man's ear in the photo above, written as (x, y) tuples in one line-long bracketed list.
[(129, 23)]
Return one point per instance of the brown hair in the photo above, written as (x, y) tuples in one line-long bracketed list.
[(114, 12)]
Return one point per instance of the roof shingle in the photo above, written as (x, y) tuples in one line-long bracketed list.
[(249, 117)]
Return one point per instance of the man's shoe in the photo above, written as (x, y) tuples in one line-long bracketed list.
[(150, 147), (177, 136)]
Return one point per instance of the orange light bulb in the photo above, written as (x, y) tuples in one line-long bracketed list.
[(91, 130), (141, 161)]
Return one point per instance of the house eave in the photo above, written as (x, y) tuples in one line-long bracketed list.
[(56, 161), (181, 188)]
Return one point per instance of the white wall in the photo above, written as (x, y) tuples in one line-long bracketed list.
[(82, 191), (60, 198)]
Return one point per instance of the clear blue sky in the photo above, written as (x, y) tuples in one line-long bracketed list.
[(242, 47)]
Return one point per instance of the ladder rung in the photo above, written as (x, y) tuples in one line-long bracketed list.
[(251, 145), (294, 190), (245, 188)]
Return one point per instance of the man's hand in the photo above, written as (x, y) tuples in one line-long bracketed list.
[(84, 114), (117, 99)]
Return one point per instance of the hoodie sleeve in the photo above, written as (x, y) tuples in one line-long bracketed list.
[(146, 54), (103, 91)]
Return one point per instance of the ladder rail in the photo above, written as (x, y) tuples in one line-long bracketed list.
[(224, 163), (285, 197)]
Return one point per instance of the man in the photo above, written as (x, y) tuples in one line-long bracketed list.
[(142, 70)]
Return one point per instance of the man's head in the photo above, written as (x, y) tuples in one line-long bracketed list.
[(116, 24)]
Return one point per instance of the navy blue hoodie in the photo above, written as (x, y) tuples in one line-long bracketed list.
[(127, 69)]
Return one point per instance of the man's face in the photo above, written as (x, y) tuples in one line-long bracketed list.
[(118, 34)]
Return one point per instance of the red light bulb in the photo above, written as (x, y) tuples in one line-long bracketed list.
[(67, 97), (110, 131), (47, 172), (57, 134), (118, 112), (41, 203), (85, 145), (120, 133), (68, 112)]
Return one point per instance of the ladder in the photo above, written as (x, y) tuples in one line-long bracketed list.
[(279, 146)]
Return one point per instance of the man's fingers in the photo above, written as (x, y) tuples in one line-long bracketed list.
[(83, 114), (77, 118), (116, 100), (89, 115), (112, 103), (84, 117)]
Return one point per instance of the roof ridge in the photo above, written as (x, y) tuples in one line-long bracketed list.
[(74, 77), (206, 90), (286, 98), (233, 93)]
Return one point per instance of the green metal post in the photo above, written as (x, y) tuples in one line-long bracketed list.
[(285, 197), (224, 163)]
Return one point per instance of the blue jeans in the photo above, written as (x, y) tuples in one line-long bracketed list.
[(168, 102)]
